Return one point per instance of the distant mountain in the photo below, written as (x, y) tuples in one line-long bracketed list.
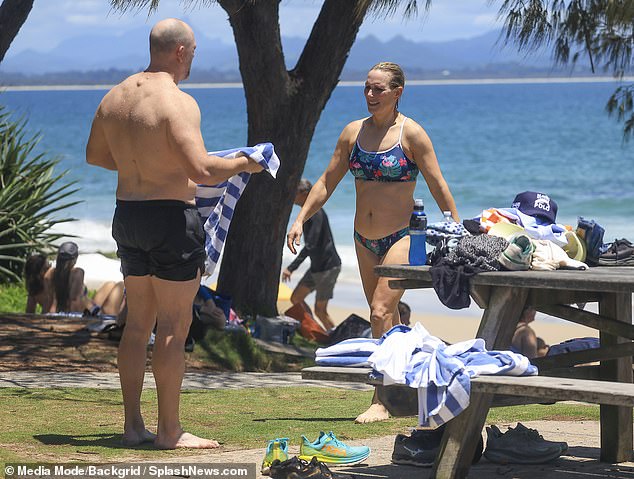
[(129, 52)]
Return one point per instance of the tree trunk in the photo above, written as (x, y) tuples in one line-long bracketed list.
[(13, 14), (283, 107)]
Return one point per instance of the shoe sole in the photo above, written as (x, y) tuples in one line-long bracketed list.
[(504, 459), (411, 462), (334, 461)]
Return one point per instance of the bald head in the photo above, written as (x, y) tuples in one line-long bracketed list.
[(167, 35)]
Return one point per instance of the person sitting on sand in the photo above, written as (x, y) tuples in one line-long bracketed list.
[(61, 288), (38, 286), (525, 341)]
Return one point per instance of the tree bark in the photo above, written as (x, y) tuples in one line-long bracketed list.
[(13, 14), (282, 107)]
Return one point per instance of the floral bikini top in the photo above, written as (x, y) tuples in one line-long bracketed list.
[(388, 165)]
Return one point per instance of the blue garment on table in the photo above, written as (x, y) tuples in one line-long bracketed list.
[(576, 344), (343, 361), (217, 202)]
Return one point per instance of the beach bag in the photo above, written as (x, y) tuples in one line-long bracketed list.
[(591, 233), (220, 300), (279, 329), (354, 326), (308, 327)]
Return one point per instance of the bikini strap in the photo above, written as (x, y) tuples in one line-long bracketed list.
[(400, 136)]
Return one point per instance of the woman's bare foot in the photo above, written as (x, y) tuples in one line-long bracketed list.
[(135, 438), (186, 440), (375, 413)]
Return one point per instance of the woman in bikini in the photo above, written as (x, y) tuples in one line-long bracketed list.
[(384, 152), (61, 288)]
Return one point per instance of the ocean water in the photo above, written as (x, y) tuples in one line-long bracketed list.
[(492, 142)]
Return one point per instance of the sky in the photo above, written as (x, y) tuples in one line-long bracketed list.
[(52, 21)]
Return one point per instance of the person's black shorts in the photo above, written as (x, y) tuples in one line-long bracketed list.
[(162, 238)]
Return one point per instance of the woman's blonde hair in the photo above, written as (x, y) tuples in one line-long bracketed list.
[(397, 77)]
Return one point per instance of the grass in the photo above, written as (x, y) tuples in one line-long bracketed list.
[(12, 298), (72, 424)]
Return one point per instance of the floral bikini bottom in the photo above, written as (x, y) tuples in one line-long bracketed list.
[(380, 246)]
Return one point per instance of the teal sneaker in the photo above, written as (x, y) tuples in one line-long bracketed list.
[(327, 448), (276, 449)]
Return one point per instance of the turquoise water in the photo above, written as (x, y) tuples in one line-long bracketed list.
[(492, 141)]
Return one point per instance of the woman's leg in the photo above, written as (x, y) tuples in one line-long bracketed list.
[(112, 303), (102, 293), (384, 306), (367, 261)]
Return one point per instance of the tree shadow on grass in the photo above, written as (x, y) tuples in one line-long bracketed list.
[(304, 419), (110, 441)]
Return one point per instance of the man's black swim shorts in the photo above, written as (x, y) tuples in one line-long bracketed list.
[(162, 238)]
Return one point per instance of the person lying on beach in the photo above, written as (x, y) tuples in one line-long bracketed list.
[(385, 153)]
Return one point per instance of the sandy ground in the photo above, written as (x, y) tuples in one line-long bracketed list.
[(453, 327), (580, 462)]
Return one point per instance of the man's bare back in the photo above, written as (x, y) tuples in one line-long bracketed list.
[(137, 117)]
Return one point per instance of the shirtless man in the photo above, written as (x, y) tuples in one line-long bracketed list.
[(148, 130)]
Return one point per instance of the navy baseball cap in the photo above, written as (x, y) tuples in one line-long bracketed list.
[(68, 250), (538, 205)]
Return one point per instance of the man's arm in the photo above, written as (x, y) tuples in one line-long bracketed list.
[(301, 256), (183, 132), (97, 150)]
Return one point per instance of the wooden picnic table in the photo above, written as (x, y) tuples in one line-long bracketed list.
[(503, 296)]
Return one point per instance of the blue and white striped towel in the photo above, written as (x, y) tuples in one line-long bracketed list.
[(217, 202), (441, 373)]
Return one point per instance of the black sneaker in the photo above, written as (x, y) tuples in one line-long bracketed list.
[(620, 253), (520, 446), (290, 469), (295, 468), (189, 344), (421, 448)]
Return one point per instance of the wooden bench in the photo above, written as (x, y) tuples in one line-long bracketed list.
[(503, 296), (538, 387)]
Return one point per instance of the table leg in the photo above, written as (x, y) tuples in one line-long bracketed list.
[(616, 421), (461, 436)]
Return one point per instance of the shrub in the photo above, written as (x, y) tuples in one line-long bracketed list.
[(30, 193)]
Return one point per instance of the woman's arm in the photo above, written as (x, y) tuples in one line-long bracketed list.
[(326, 184), (425, 158), (77, 300)]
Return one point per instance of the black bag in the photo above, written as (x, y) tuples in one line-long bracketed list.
[(353, 326)]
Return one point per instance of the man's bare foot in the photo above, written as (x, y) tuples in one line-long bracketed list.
[(375, 413), (186, 440), (134, 438)]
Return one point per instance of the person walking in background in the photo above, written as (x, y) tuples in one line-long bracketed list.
[(148, 130), (325, 264), (384, 153)]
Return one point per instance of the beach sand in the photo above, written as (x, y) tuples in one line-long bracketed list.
[(455, 328)]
